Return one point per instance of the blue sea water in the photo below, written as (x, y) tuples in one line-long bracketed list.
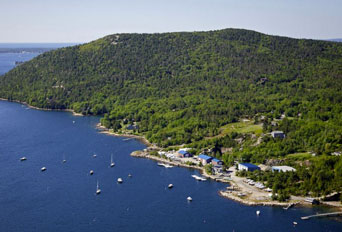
[(7, 60), (63, 197)]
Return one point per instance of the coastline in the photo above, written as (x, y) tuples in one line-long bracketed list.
[(44, 109), (224, 193), (251, 200)]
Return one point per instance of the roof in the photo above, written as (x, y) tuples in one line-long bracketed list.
[(182, 152), (205, 157), (277, 132), (283, 168), (216, 160), (248, 165)]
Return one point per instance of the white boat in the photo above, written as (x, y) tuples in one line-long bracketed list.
[(199, 178), (111, 161), (120, 180), (295, 223), (64, 160), (98, 190), (94, 156), (43, 169), (165, 165), (258, 212), (23, 158), (129, 175), (91, 172), (189, 198), (170, 186)]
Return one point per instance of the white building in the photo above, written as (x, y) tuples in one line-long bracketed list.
[(283, 169)]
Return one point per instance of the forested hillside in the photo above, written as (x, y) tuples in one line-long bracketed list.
[(187, 87)]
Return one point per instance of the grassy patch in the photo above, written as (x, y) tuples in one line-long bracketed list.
[(299, 156), (242, 127)]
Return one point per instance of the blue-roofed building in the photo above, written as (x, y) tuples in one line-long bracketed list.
[(205, 159), (183, 154), (217, 162), (247, 167)]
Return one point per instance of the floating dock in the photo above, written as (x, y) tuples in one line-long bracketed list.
[(322, 215)]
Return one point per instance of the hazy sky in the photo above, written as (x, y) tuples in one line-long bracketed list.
[(86, 20)]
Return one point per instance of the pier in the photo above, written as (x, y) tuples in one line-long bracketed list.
[(322, 215)]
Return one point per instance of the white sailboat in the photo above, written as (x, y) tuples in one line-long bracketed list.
[(98, 190), (111, 161)]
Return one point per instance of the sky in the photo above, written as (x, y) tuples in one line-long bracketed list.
[(81, 21)]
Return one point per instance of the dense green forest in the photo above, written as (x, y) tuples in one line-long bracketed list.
[(185, 88)]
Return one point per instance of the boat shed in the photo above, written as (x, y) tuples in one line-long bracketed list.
[(205, 159), (183, 154), (283, 169), (247, 167)]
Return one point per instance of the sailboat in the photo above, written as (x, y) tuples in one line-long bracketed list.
[(98, 190), (111, 161)]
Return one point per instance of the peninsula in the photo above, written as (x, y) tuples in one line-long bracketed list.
[(234, 95)]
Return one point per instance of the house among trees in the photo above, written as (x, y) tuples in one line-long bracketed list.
[(247, 167), (278, 134), (204, 159), (132, 127)]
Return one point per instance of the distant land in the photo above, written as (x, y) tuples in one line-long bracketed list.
[(220, 92), (335, 40), (31, 47)]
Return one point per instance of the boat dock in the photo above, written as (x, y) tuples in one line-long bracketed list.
[(322, 215)]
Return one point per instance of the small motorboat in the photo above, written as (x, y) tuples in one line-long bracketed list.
[(112, 164), (295, 223), (120, 180), (98, 190), (91, 172), (170, 186), (189, 198), (94, 156), (129, 175), (199, 178), (43, 169), (258, 212), (23, 158), (164, 165)]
